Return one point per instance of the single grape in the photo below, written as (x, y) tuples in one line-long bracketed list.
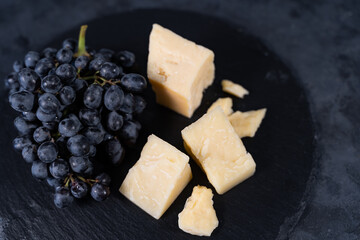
[(47, 152), (43, 66), (39, 169), (31, 58), (20, 142), (61, 143), (93, 96), (140, 104), (62, 197), (22, 101), (79, 189), (128, 105), (48, 103), (105, 53), (24, 127), (91, 51), (29, 116), (78, 145), (90, 117), (133, 82), (138, 125), (104, 179), (79, 164), (94, 134), (113, 98), (18, 65), (128, 116), (100, 192), (11, 82), (52, 72), (64, 55), (96, 63), (114, 121), (89, 171), (114, 151), (67, 95), (51, 84), (45, 117), (41, 134), (129, 133), (81, 62), (50, 125), (29, 153), (69, 127), (92, 152), (59, 168), (49, 52), (66, 72), (110, 70), (28, 79), (125, 58), (108, 136), (79, 85), (69, 43), (54, 182)]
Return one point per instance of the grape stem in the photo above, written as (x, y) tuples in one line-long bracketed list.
[(96, 79), (81, 44)]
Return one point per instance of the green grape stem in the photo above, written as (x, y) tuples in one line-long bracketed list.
[(81, 44)]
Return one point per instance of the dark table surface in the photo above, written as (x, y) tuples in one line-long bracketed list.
[(319, 40)]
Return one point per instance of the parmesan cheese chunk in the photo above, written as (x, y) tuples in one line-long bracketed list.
[(216, 148), (199, 216), (179, 70), (157, 178)]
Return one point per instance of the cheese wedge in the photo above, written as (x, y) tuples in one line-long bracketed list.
[(233, 88), (178, 70), (199, 216), (157, 178), (215, 146), (225, 103), (247, 123)]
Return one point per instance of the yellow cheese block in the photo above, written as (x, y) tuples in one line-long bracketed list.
[(178, 70), (224, 103), (214, 144), (233, 88), (199, 216), (247, 123), (157, 178)]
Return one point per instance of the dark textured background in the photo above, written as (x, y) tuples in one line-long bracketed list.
[(319, 40)]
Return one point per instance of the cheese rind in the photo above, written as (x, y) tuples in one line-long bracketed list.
[(198, 216), (225, 103), (157, 178), (179, 70), (213, 142), (247, 123), (233, 88)]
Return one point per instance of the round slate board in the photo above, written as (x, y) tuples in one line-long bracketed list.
[(282, 148)]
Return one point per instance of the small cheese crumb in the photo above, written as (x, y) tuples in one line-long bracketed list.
[(233, 88), (199, 216), (224, 103), (247, 123)]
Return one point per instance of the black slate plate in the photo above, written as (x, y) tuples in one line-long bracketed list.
[(282, 148)]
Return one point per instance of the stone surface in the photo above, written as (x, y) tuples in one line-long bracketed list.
[(318, 39)]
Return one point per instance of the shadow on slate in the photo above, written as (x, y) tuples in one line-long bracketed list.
[(283, 147)]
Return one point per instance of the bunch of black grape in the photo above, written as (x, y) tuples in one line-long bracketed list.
[(78, 110)]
